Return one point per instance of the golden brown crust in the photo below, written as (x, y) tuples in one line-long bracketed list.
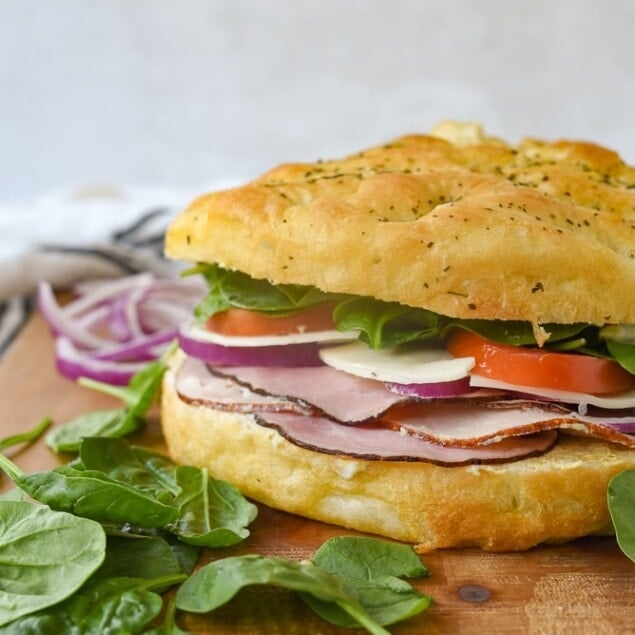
[(458, 223), (513, 506)]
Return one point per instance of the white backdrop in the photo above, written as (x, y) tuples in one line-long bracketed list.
[(184, 93)]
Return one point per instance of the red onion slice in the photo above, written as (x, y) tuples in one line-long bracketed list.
[(73, 363), (441, 389), (61, 323), (144, 348), (291, 355)]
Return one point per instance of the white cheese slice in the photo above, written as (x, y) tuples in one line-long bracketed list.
[(401, 365), (623, 400), (198, 332)]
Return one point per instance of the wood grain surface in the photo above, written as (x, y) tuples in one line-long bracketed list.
[(587, 586)]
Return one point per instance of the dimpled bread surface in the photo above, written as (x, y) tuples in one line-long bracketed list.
[(456, 222)]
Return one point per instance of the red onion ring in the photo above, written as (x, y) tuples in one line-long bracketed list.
[(74, 363), (290, 355)]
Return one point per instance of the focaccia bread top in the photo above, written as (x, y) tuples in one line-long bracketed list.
[(456, 222)]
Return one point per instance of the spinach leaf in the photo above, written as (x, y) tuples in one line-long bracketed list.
[(45, 556), (94, 495), (149, 471), (624, 354), (370, 570), (106, 606), (151, 554), (168, 627), (15, 495), (621, 502), (139, 393), (212, 513), (235, 289), (137, 556), (26, 437), (218, 582), (117, 422), (385, 324)]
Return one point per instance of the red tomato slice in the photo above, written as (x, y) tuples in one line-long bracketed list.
[(240, 322), (539, 367)]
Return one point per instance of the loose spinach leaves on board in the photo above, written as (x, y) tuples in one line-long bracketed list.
[(116, 422), (212, 513), (109, 606), (371, 570), (621, 502), (351, 582), (92, 494), (131, 555), (145, 505), (118, 484), (45, 556)]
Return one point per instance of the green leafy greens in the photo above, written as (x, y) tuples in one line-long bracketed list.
[(109, 606), (621, 502), (116, 484), (235, 289), (351, 582), (148, 507), (26, 437), (153, 516), (45, 556), (371, 570), (385, 324)]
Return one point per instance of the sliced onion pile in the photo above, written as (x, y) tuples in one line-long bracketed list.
[(112, 328)]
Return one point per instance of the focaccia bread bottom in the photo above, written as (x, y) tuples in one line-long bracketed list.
[(555, 497)]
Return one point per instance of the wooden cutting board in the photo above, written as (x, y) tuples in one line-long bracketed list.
[(587, 586)]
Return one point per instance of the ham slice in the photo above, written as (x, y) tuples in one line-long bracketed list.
[(343, 397), (372, 442), (461, 424), (336, 394), (195, 384)]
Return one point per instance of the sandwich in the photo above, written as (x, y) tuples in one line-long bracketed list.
[(431, 340)]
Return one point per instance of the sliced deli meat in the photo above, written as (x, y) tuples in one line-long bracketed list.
[(372, 442), (336, 394), (344, 397), (384, 425), (195, 384), (468, 424)]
